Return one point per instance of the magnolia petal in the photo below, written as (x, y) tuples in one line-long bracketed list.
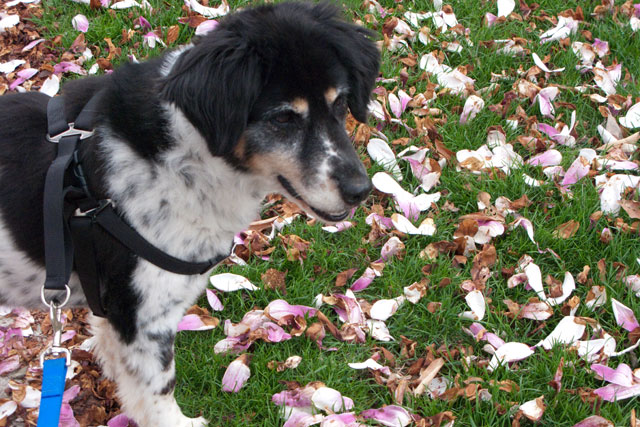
[(505, 7), (303, 419), (380, 152), (633, 282), (205, 27), (607, 78), (120, 420), (278, 309), (568, 331), (209, 12), (32, 45), (229, 282), (330, 400), (8, 21), (193, 322), (624, 315), (536, 311), (544, 97), (9, 66), (548, 158), (385, 308), (236, 375), (7, 409), (371, 364), (566, 26), (378, 330), (9, 364), (509, 352), (594, 421), (231, 345), (472, 106), (632, 119), (214, 301), (338, 227), (392, 415), (534, 278), (622, 375), (612, 392), (542, 66), (391, 248), (475, 300), (533, 409), (80, 23), (578, 170), (568, 286)]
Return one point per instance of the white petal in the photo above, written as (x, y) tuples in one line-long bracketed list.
[(383, 309), (51, 86), (505, 7), (568, 331), (534, 277), (381, 153), (509, 352), (379, 330), (475, 300), (632, 119), (533, 409), (568, 286), (330, 400), (542, 66), (229, 282), (9, 66)]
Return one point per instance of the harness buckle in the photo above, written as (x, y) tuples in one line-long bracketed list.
[(72, 131)]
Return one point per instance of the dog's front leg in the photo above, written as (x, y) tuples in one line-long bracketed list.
[(144, 372)]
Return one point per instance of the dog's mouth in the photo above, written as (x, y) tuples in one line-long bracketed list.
[(325, 216)]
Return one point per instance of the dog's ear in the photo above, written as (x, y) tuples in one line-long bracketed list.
[(215, 84), (358, 53)]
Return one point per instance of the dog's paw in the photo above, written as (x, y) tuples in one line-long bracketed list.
[(197, 422)]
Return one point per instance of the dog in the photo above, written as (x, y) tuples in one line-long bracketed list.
[(187, 145)]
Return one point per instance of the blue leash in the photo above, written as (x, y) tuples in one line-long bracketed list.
[(54, 373)]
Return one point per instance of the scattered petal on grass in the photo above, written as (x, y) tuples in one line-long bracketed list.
[(622, 375), (338, 227), (371, 364), (385, 308), (624, 315), (279, 309), (391, 248), (80, 23), (505, 7), (407, 203), (568, 331), (151, 39), (209, 12), (544, 97), (381, 153), (607, 78), (378, 330), (475, 301), (533, 409), (392, 415), (568, 286), (330, 400), (548, 158), (229, 282), (402, 224), (193, 322), (236, 375), (612, 392), (566, 27), (214, 301), (594, 421), (542, 66), (509, 352), (632, 119), (472, 106)]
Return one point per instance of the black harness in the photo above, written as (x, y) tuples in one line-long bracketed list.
[(74, 220)]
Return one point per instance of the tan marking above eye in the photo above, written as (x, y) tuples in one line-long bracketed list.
[(300, 106), (330, 95)]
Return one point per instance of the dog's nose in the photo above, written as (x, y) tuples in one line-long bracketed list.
[(356, 189)]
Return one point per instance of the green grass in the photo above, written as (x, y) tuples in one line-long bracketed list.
[(200, 371)]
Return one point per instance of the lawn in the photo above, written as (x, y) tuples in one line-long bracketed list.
[(562, 224)]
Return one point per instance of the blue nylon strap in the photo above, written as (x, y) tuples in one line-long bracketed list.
[(53, 378)]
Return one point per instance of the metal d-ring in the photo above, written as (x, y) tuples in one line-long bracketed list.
[(53, 303)]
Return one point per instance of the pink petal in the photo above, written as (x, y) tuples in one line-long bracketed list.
[(624, 315), (365, 280), (275, 333), (601, 47), (614, 392), (330, 400), (392, 415), (578, 170), (353, 312), (472, 106), (205, 27), (232, 345), (548, 158), (141, 23), (280, 308), (509, 352), (120, 420), (395, 105), (384, 222), (404, 99), (66, 417), (490, 18), (391, 248), (347, 419), (236, 374), (622, 375), (68, 67), (296, 398), (32, 45), (548, 129), (192, 322), (302, 419), (594, 421), (214, 301), (9, 364), (80, 23)]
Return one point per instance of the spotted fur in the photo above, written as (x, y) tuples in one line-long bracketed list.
[(187, 145)]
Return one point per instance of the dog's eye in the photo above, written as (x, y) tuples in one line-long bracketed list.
[(340, 105), (283, 118)]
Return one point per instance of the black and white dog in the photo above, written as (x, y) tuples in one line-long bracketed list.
[(186, 146)]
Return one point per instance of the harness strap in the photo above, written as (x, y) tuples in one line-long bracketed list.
[(84, 231)]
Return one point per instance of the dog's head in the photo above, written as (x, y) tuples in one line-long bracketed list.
[(269, 89)]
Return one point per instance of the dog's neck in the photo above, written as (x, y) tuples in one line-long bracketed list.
[(185, 201)]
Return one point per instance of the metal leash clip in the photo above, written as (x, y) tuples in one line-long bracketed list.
[(55, 314)]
